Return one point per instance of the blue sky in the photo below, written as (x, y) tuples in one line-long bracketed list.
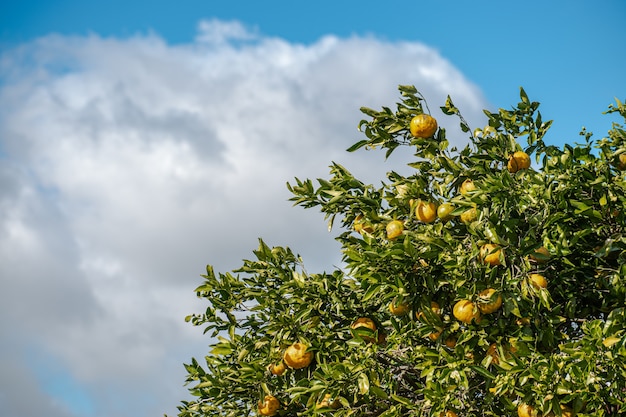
[(142, 140)]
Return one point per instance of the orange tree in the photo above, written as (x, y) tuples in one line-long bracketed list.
[(480, 285)]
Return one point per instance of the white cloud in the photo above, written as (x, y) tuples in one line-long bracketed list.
[(128, 164)]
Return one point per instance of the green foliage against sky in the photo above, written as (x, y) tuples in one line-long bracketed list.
[(560, 349)]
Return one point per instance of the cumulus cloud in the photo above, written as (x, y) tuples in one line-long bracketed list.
[(127, 165)]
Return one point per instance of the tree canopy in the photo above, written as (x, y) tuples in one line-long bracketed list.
[(489, 282)]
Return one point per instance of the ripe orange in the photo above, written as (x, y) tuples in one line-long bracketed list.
[(450, 342), (519, 160), (297, 357), (426, 212), (538, 281), (434, 306), (398, 309), (394, 229), (465, 311), (493, 352), (467, 186), (277, 369), (434, 335), (368, 324), (469, 216), (525, 410), (269, 406), (540, 255), (444, 210), (621, 162), (326, 402), (490, 254), (423, 126), (448, 413), (490, 301), (360, 226)]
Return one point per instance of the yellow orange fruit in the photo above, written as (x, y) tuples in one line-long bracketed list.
[(434, 306), (326, 402), (465, 311), (621, 162), (469, 215), (490, 301), (519, 160), (540, 255), (450, 342), (398, 309), (423, 126), (490, 254), (394, 229), (444, 211), (277, 369), (360, 226), (467, 186), (367, 323), (538, 281), (297, 356), (525, 410), (426, 212), (448, 413), (493, 352), (269, 406)]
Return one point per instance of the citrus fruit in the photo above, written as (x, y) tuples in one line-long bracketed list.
[(490, 301), (326, 402), (467, 186), (367, 323), (519, 160), (465, 311), (448, 413), (493, 352), (469, 216), (538, 281), (360, 226), (621, 162), (444, 210), (423, 126), (398, 309), (434, 306), (540, 255), (394, 229), (277, 369), (490, 254), (426, 212), (269, 406), (525, 410), (297, 357), (450, 342)]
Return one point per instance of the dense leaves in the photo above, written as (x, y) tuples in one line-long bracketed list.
[(556, 347)]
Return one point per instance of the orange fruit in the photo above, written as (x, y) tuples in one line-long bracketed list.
[(467, 186), (394, 229), (448, 413), (621, 162), (465, 311), (360, 226), (269, 406), (434, 306), (368, 324), (525, 410), (492, 301), (426, 212), (450, 342), (398, 309), (519, 160), (469, 216), (538, 281), (297, 357), (277, 369), (444, 210), (326, 402), (490, 254), (540, 255), (493, 352), (434, 335), (423, 126)]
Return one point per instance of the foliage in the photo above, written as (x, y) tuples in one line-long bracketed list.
[(559, 345)]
